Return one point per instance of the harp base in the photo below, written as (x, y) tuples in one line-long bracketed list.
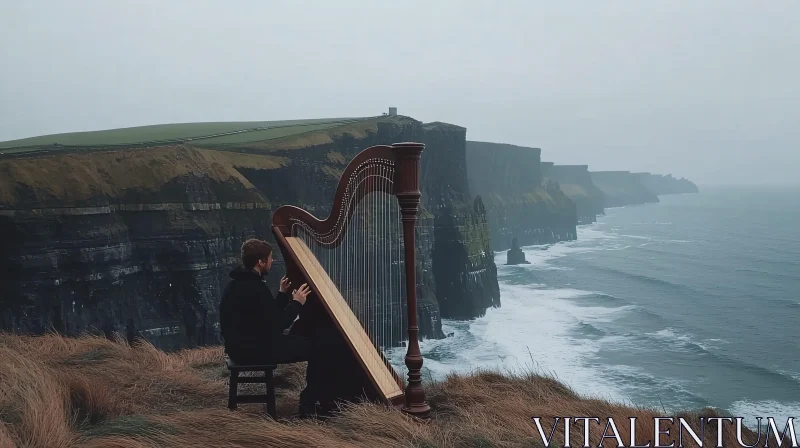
[(421, 413)]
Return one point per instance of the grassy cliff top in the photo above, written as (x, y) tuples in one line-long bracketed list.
[(93, 392), (114, 162), (72, 177), (210, 132), (443, 126)]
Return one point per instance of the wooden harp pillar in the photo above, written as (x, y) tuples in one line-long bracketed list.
[(407, 159), (354, 283)]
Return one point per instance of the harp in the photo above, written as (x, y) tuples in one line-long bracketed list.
[(360, 265)]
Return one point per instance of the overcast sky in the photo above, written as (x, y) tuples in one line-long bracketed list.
[(708, 90)]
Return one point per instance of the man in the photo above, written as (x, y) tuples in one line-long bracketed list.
[(252, 321)]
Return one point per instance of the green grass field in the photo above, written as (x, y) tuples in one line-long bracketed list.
[(237, 132)]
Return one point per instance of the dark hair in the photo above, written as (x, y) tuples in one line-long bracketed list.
[(254, 250)]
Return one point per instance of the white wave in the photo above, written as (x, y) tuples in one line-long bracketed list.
[(534, 329), (794, 375), (531, 331), (636, 381), (638, 237), (766, 408), (670, 335), (593, 233)]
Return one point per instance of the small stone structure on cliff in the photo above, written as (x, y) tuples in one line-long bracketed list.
[(515, 255)]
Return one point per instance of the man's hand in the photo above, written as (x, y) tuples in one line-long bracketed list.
[(285, 284), (301, 294)]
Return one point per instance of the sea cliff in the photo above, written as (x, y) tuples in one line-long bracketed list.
[(621, 188), (134, 231), (576, 182), (518, 203), (666, 184), (462, 261)]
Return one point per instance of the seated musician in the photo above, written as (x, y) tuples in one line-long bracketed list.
[(252, 321)]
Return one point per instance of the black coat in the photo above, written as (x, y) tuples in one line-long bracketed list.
[(250, 318)]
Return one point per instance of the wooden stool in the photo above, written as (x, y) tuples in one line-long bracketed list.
[(233, 392)]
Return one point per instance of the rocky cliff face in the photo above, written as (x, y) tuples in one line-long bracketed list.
[(462, 258), (622, 188), (576, 182), (140, 241), (122, 241), (466, 276), (500, 168), (518, 203)]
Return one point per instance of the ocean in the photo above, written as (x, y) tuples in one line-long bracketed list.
[(683, 304)]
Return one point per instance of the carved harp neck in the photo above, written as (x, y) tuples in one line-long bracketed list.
[(399, 163)]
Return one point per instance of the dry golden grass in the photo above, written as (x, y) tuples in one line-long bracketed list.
[(93, 392), (74, 177)]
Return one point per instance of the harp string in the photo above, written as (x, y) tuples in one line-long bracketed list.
[(367, 265)]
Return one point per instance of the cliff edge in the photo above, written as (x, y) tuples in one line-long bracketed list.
[(134, 231)]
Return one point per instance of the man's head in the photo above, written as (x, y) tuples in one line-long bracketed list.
[(257, 255)]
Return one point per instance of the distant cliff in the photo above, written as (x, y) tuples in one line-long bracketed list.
[(138, 237), (576, 182), (518, 203), (661, 184), (622, 188)]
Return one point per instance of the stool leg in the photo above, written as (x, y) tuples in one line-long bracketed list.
[(233, 390), (270, 395)]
